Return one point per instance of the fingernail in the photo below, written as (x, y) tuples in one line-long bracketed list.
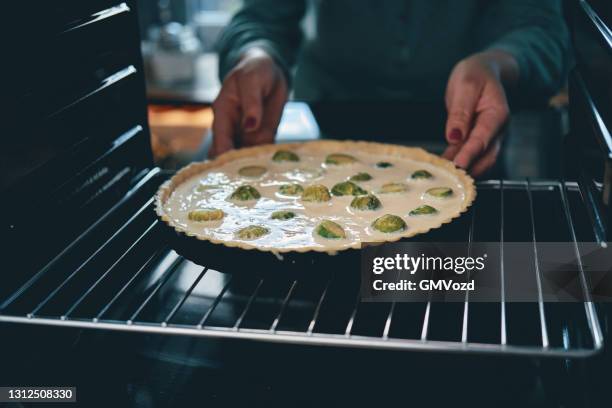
[(249, 123), (455, 135)]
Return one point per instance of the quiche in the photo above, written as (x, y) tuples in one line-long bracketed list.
[(324, 196)]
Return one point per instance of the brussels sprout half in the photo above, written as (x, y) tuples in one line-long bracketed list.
[(440, 192), (316, 193), (421, 174), (365, 203), (290, 189), (330, 230), (361, 177), (347, 188), (393, 188), (252, 232), (389, 223), (339, 159), (201, 188), (282, 215), (245, 193), (252, 171), (423, 210), (285, 155), (207, 214)]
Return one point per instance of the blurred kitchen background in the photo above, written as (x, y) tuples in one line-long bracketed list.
[(178, 45)]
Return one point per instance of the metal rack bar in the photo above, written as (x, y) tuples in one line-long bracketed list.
[(349, 325), (160, 282), (543, 327), (587, 189), (466, 304), (317, 310), (389, 319), (248, 305), (178, 305), (387, 328), (144, 267), (426, 316), (92, 256), (315, 339), (588, 304), (214, 304), (99, 16), (425, 329), (283, 306), (504, 337), (146, 179), (107, 272), (110, 80)]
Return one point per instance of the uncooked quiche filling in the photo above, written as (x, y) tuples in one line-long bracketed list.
[(307, 197)]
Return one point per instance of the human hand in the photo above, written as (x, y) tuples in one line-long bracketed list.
[(249, 106), (478, 109)]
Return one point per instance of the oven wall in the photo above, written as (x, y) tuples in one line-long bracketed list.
[(77, 93)]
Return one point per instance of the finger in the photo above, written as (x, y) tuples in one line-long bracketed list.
[(488, 124), (487, 161), (451, 151), (264, 135), (251, 99), (461, 107), (275, 103), (272, 113), (224, 126)]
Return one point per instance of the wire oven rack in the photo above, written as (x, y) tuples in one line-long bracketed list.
[(132, 281)]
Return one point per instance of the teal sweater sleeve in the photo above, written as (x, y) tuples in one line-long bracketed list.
[(273, 25), (534, 32)]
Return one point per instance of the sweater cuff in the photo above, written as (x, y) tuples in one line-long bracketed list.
[(517, 52)]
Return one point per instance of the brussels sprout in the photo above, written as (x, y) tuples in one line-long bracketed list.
[(282, 215), (330, 230), (290, 189), (440, 192), (423, 210), (285, 155), (421, 174), (368, 202), (252, 232), (393, 188), (245, 193), (384, 165), (200, 188), (389, 223), (252, 171), (347, 188), (340, 159), (361, 177), (317, 193), (208, 214)]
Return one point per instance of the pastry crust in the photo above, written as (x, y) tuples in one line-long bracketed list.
[(317, 147)]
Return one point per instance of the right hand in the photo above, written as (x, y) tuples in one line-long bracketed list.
[(249, 106)]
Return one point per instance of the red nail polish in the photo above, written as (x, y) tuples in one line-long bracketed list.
[(249, 123), (455, 135)]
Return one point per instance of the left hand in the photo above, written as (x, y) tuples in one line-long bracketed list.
[(478, 109)]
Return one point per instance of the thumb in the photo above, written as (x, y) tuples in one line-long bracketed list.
[(461, 108), (252, 106)]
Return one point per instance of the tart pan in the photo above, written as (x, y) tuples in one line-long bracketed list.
[(228, 259), (238, 256)]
